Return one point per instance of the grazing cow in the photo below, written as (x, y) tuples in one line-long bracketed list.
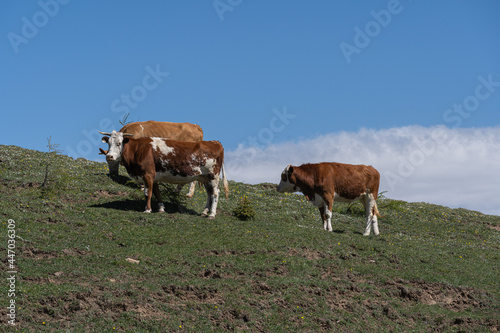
[(160, 129), (324, 183), (153, 160)]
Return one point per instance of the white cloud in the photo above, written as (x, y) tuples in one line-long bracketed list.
[(453, 167)]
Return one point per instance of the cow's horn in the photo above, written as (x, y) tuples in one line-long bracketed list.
[(127, 134), (105, 133)]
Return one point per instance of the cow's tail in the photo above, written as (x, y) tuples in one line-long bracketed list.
[(375, 207), (375, 210), (224, 180)]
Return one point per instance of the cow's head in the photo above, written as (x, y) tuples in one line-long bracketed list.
[(115, 140), (287, 183)]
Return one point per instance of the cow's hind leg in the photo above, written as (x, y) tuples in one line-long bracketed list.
[(371, 218), (212, 198), (209, 189)]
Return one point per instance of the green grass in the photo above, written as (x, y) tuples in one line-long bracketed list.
[(432, 267)]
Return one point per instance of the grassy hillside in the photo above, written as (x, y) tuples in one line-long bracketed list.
[(88, 259)]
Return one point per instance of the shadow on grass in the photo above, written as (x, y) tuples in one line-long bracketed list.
[(124, 180), (140, 205), (171, 199)]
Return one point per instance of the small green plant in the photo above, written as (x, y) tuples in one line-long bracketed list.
[(55, 178), (244, 210), (53, 151)]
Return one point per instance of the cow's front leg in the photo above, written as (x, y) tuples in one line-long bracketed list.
[(328, 215), (148, 183), (323, 217), (328, 212), (156, 192)]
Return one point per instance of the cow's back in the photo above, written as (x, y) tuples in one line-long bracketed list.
[(351, 180), (347, 180), (163, 129)]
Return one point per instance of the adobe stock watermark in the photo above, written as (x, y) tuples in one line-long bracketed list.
[(452, 116), (277, 124), (364, 36), (223, 6), (121, 106), (31, 26), (11, 272)]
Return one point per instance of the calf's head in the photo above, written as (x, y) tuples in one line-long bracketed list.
[(287, 183), (115, 140)]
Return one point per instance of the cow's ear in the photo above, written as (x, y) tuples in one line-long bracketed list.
[(290, 169), (105, 139)]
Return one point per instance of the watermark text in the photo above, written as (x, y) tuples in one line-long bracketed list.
[(11, 272)]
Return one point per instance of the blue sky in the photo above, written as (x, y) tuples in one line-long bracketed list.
[(261, 75)]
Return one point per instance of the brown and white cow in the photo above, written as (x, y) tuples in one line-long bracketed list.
[(153, 160), (160, 129), (324, 183)]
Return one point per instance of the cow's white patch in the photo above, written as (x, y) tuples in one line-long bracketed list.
[(210, 164), (159, 144)]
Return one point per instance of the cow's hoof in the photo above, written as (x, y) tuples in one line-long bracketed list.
[(366, 234), (189, 196), (211, 217), (148, 211), (204, 215)]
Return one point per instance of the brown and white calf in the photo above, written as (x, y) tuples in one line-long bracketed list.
[(324, 183), (153, 160), (160, 129)]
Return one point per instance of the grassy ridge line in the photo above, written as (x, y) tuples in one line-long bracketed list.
[(431, 268)]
